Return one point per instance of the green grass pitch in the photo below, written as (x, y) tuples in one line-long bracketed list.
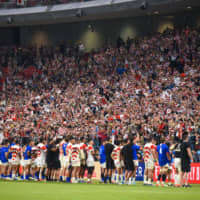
[(16, 190)]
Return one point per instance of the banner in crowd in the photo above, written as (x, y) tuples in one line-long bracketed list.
[(194, 175)]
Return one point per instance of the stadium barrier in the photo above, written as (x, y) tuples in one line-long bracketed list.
[(194, 175)]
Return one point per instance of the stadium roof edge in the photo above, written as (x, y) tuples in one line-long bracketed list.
[(91, 10)]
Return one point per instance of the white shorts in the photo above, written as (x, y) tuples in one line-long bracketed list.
[(40, 163), (117, 163), (4, 164), (164, 168), (22, 163), (15, 162), (103, 165), (90, 163), (76, 163), (65, 162), (149, 164), (0, 162), (27, 162), (61, 158), (136, 163), (33, 164), (177, 163)]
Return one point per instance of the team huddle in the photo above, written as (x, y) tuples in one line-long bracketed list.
[(68, 158)]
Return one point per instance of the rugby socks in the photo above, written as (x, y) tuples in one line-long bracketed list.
[(40, 174), (37, 175), (13, 176), (102, 177), (73, 179), (109, 178), (117, 178), (163, 178), (113, 177), (133, 180), (68, 179), (27, 177), (149, 181), (159, 177), (121, 178), (175, 179), (145, 179), (105, 179)]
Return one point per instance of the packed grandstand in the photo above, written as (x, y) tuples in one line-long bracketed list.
[(65, 106), (145, 85)]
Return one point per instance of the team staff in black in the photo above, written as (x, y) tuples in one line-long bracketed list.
[(109, 161), (52, 159), (127, 155), (186, 158)]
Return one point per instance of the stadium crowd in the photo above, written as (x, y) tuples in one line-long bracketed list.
[(143, 86)]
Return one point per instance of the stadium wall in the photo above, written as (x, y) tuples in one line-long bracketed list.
[(94, 36)]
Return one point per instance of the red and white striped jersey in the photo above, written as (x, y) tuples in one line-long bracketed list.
[(41, 153), (15, 152), (75, 153), (149, 148), (83, 146), (34, 152), (90, 151), (116, 153)]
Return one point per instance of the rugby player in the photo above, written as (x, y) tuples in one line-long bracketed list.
[(90, 160), (150, 157), (163, 159)]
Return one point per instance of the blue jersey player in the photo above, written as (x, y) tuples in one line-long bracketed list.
[(135, 149), (27, 160), (163, 159), (102, 160), (4, 159)]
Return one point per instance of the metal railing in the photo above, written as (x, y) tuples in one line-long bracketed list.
[(7, 4)]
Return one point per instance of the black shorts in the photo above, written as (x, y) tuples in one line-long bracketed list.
[(185, 165), (90, 170), (129, 165), (83, 166), (50, 165), (56, 165), (110, 164)]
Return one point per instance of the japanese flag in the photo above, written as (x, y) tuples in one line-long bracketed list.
[(21, 2)]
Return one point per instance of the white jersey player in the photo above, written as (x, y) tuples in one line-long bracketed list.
[(76, 155), (90, 156), (116, 156), (15, 151), (41, 157), (90, 160), (149, 159)]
